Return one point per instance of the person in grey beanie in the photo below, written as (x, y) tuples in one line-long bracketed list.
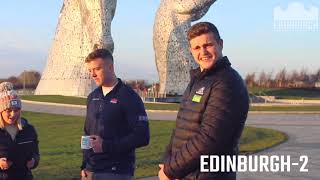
[(19, 151)]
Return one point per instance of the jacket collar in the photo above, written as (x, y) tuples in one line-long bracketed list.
[(220, 64), (115, 89)]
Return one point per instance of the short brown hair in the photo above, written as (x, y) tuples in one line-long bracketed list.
[(203, 28), (99, 53)]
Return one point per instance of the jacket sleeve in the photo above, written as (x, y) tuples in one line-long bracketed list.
[(84, 151), (35, 154), (84, 154), (137, 119), (211, 137), (4, 151)]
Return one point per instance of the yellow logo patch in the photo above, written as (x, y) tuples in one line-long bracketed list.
[(196, 98)]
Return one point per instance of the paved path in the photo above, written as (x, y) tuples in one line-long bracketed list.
[(303, 131), (304, 139)]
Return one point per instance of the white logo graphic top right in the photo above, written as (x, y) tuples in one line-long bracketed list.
[(296, 18)]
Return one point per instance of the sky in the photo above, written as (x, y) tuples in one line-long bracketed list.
[(247, 27)]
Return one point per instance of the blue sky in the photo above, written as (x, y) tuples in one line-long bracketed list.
[(250, 42)]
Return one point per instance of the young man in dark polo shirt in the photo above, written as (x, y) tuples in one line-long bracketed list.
[(116, 123)]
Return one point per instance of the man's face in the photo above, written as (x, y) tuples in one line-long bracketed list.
[(100, 71), (206, 50)]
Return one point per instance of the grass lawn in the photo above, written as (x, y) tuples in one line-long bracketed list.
[(82, 101), (56, 99), (285, 108), (287, 93), (61, 155), (160, 106)]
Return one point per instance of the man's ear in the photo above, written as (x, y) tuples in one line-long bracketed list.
[(110, 66), (221, 43)]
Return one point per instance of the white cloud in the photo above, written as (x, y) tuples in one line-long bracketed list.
[(296, 12)]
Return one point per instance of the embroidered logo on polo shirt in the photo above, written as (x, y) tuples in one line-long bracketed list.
[(95, 99), (200, 91), (114, 100), (143, 118)]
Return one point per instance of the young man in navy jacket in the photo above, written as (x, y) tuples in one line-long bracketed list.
[(212, 113), (116, 122)]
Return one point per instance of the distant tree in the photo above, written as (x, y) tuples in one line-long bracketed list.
[(270, 81), (303, 75), (137, 84), (250, 79), (294, 75), (15, 81), (262, 79), (281, 78), (293, 78), (312, 78), (317, 76), (30, 79)]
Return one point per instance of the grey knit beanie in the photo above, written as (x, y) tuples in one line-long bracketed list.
[(8, 97)]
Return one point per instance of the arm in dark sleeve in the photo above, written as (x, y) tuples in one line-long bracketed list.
[(139, 135), (86, 133), (4, 151), (35, 154), (84, 151), (211, 137)]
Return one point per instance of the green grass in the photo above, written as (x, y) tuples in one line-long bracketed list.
[(257, 139), (287, 93), (285, 108), (56, 99), (60, 145), (82, 101), (161, 106), (283, 93)]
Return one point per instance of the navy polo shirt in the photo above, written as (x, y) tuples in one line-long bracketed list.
[(120, 119)]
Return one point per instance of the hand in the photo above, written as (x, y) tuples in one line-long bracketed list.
[(30, 164), (83, 173), (96, 143), (5, 164), (161, 174)]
